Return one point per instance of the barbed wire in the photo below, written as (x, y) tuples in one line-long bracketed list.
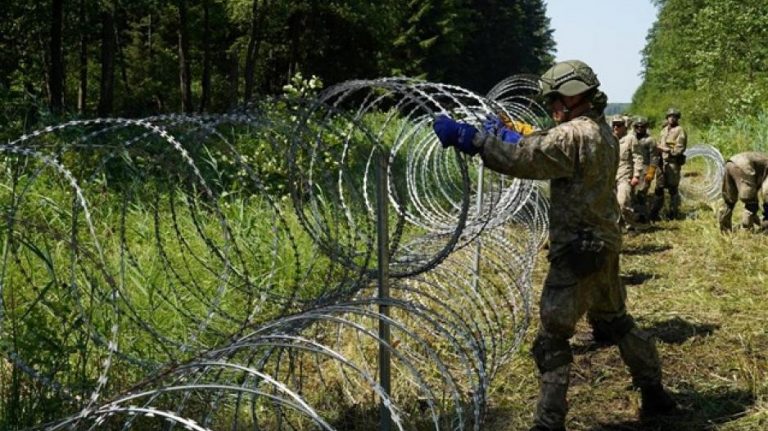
[(703, 173), (218, 271)]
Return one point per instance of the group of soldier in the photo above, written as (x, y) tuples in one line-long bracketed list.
[(579, 158), (642, 159)]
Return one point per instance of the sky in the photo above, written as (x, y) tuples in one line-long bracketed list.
[(607, 35)]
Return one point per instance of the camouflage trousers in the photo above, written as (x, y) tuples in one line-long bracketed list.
[(742, 186), (624, 196), (640, 201), (668, 179), (669, 176), (565, 299)]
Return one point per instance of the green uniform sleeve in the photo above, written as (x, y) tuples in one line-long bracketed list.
[(662, 145), (680, 143), (638, 162), (653, 152), (539, 156), (639, 166)]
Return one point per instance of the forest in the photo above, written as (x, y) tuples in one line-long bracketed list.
[(89, 58), (709, 58)]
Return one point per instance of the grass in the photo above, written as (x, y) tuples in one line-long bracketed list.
[(701, 293), (705, 297)]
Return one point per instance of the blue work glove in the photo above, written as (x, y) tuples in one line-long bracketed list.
[(494, 126), (455, 134)]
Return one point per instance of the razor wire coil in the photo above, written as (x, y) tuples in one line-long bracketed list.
[(182, 270)]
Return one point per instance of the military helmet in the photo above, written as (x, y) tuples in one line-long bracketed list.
[(568, 78), (618, 119), (641, 121), (673, 111)]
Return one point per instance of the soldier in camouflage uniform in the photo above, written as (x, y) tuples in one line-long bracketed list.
[(646, 148), (629, 172), (746, 179), (672, 145), (579, 156)]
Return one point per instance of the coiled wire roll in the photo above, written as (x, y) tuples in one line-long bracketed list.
[(207, 289), (702, 174)]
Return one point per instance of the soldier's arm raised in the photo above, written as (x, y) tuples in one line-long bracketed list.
[(540, 155)]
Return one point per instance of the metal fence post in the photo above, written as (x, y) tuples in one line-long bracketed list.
[(478, 248), (382, 227)]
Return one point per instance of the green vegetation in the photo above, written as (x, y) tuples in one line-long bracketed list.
[(708, 58), (705, 298), (616, 108), (137, 58), (748, 133)]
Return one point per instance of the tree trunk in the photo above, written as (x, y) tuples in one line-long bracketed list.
[(82, 91), (56, 78), (120, 61), (206, 80), (233, 77), (107, 82), (257, 20), (184, 73)]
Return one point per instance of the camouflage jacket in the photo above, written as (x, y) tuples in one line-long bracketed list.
[(672, 142), (646, 147), (630, 161), (580, 158), (753, 165)]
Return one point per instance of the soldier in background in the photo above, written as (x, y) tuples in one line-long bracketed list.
[(629, 121), (672, 144), (746, 179), (646, 148), (629, 172)]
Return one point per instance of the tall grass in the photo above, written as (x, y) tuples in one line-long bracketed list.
[(748, 133), (186, 278)]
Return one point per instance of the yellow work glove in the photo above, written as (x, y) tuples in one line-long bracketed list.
[(649, 174), (517, 126)]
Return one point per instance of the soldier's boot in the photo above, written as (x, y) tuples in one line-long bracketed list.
[(674, 204), (656, 401), (749, 217), (553, 357), (638, 351), (640, 207), (656, 205), (725, 216)]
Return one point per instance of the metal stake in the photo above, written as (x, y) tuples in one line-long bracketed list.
[(479, 204), (382, 225)]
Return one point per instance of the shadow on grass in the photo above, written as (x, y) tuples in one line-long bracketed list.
[(643, 231), (416, 417), (633, 278), (357, 418), (646, 249), (677, 330), (672, 331), (700, 411)]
